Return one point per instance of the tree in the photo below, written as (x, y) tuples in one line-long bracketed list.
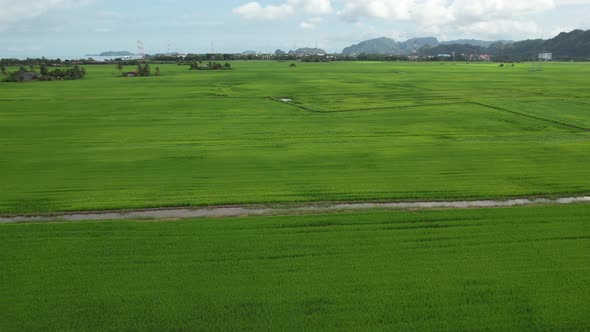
[(43, 69), (157, 71), (194, 65), (143, 69), (3, 69), (146, 70), (120, 67), (76, 73), (227, 65)]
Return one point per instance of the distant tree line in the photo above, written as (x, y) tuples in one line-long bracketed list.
[(44, 74), (12, 62), (571, 46), (198, 65), (205, 57)]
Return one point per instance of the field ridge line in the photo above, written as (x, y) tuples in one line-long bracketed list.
[(308, 208), (380, 108), (557, 122)]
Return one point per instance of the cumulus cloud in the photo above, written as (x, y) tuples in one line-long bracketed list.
[(489, 17), (307, 25), (572, 2), (440, 11), (500, 28), (314, 6), (254, 10), (312, 23), (15, 11), (490, 9), (353, 10)]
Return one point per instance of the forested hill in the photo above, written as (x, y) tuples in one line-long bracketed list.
[(113, 53), (389, 46), (574, 45), (386, 45)]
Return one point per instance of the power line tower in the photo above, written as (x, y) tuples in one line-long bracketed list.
[(140, 49), (536, 66)]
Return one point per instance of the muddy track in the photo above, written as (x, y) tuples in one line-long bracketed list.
[(310, 208)]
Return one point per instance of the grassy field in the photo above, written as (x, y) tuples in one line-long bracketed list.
[(354, 131), (509, 269)]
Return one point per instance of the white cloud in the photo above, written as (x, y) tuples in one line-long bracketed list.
[(444, 17), (254, 10), (470, 10), (499, 28), (432, 13), (353, 10), (307, 25), (435, 12), (15, 11), (312, 23), (315, 7), (572, 2)]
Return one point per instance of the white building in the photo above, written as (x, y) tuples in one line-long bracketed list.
[(545, 56)]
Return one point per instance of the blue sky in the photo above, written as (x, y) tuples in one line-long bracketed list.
[(77, 27)]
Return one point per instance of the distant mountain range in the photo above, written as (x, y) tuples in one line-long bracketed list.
[(475, 42), (386, 45), (566, 45), (389, 46), (307, 51), (113, 53)]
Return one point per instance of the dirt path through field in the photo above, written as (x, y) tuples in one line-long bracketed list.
[(240, 211)]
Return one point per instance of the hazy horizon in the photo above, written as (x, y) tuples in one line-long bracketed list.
[(74, 28)]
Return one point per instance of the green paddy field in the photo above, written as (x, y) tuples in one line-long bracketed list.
[(265, 133), (509, 269), (353, 131)]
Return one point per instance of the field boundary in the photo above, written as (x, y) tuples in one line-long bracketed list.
[(308, 208), (555, 122), (458, 102), (380, 108)]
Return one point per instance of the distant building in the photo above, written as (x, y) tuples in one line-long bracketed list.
[(444, 55), (545, 56), (485, 57)]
